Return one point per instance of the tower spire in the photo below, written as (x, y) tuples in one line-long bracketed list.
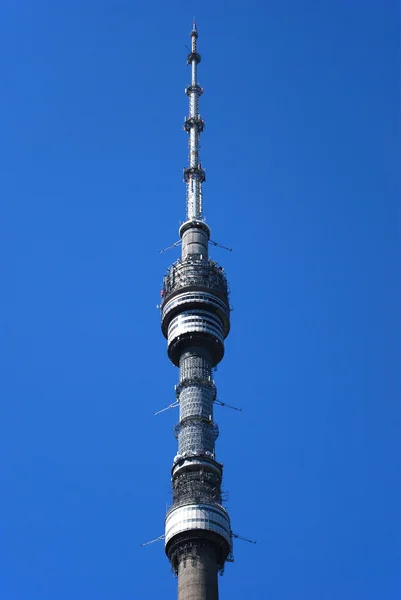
[(194, 175)]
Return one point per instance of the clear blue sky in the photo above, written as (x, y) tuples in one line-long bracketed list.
[(300, 103)]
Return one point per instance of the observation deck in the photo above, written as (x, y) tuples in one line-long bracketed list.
[(195, 308), (195, 273)]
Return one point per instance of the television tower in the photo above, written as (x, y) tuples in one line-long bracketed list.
[(195, 315)]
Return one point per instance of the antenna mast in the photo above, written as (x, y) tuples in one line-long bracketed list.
[(194, 175)]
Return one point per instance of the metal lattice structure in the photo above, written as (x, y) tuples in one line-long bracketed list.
[(195, 314)]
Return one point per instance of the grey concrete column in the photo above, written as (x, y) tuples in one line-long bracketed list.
[(197, 575), (195, 241)]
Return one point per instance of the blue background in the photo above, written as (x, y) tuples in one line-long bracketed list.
[(300, 103)]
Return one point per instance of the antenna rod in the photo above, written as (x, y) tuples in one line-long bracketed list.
[(239, 537), (173, 405), (158, 539), (228, 405)]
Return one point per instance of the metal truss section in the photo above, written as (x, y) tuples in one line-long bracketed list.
[(197, 382), (195, 367), (197, 486), (194, 175), (194, 198), (196, 436), (196, 401)]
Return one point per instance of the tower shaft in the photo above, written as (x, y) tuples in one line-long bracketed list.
[(196, 320), (197, 576)]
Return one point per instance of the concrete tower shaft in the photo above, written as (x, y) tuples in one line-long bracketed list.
[(195, 314), (197, 575)]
